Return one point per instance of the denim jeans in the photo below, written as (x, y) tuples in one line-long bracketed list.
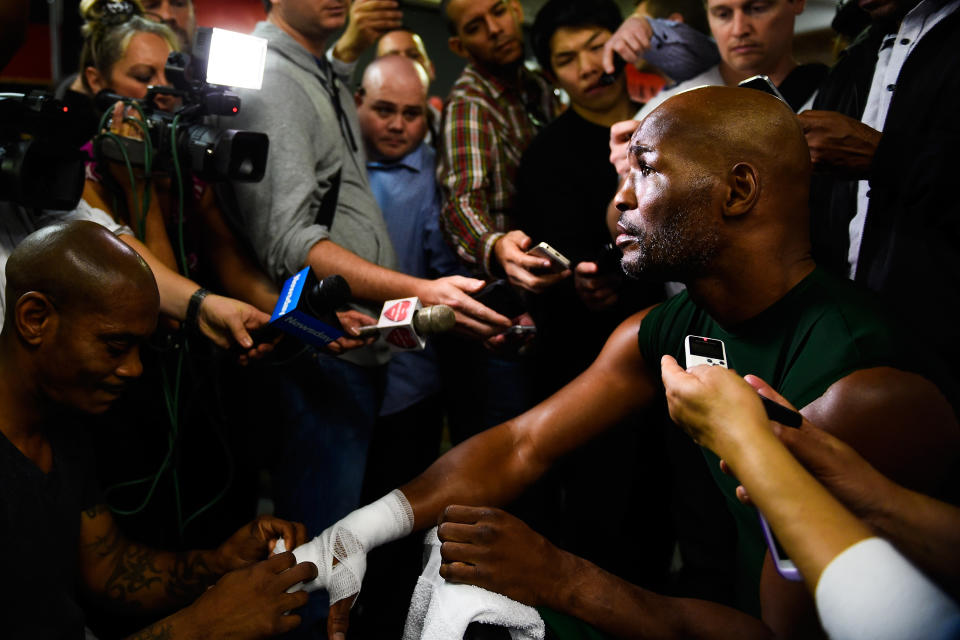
[(325, 414)]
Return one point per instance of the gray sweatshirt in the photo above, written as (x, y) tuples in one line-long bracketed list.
[(307, 147)]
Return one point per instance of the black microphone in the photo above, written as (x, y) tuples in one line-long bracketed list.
[(404, 323), (307, 309)]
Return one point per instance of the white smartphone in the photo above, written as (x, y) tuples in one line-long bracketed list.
[(711, 351), (558, 261)]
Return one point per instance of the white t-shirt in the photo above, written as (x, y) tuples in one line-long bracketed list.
[(871, 592)]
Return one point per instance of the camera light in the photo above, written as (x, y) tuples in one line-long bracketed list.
[(236, 59)]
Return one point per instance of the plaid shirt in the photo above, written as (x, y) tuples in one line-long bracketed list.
[(486, 128)]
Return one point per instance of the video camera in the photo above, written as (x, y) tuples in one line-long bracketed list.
[(180, 140), (40, 164)]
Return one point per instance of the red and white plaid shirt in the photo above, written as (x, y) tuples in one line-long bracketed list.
[(486, 128)]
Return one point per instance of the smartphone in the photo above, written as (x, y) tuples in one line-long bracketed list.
[(558, 262), (711, 351), (763, 83), (521, 330), (502, 298)]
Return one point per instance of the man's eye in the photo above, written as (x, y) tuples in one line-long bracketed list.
[(721, 15), (645, 169), (412, 115), (383, 112), (562, 61), (499, 10)]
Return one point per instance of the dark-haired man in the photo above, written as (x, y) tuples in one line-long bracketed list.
[(730, 220), (79, 304)]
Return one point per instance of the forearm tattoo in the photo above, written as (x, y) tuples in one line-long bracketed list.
[(141, 576)]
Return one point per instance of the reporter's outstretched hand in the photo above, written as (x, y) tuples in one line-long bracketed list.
[(490, 548), (226, 321), (473, 318), (351, 321), (712, 404), (630, 41), (525, 271), (249, 603)]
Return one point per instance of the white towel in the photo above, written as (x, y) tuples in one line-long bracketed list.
[(440, 610)]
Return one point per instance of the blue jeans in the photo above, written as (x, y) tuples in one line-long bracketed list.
[(325, 416)]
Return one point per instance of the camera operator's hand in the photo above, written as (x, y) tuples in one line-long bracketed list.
[(523, 270), (226, 321), (248, 603), (630, 41), (839, 144), (351, 321), (598, 291), (620, 134), (369, 19), (473, 318)]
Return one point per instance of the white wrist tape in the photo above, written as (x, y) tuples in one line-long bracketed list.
[(348, 542)]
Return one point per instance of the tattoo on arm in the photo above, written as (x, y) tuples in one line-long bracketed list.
[(142, 577)]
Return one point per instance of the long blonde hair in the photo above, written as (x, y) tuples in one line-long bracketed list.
[(108, 27)]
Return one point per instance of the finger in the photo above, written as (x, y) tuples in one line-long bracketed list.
[(479, 311), (608, 66), (303, 572), (299, 535), (625, 50), (743, 496), (294, 600), (280, 562), (459, 573), (456, 532), (587, 268), (288, 622), (239, 332), (453, 552), (671, 372), (463, 514), (766, 390), (339, 619)]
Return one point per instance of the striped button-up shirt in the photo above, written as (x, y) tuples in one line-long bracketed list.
[(486, 128)]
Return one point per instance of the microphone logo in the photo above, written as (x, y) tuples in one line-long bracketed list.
[(399, 311)]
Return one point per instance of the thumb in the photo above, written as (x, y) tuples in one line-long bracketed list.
[(338, 620)]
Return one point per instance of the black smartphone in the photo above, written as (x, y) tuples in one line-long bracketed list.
[(502, 298)]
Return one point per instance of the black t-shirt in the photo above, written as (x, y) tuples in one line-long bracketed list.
[(564, 184), (39, 534)]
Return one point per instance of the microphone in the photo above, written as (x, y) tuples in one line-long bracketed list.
[(404, 323), (306, 309)]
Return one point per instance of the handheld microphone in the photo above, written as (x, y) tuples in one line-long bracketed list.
[(306, 309), (404, 323)]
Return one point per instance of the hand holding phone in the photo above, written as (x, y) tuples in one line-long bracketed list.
[(711, 351), (558, 262)]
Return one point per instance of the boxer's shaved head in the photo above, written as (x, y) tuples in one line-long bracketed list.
[(713, 169)]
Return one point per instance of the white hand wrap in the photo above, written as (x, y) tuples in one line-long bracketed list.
[(348, 542)]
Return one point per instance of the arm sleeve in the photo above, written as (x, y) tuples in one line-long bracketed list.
[(278, 214), (870, 591), (679, 50), (465, 180)]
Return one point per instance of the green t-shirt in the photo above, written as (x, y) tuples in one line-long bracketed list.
[(823, 329)]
